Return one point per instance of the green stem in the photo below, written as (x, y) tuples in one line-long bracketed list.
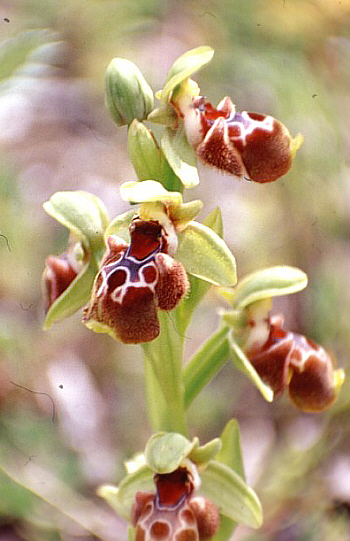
[(164, 389), (205, 363)]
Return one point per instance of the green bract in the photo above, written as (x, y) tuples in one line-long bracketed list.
[(87, 218), (128, 95)]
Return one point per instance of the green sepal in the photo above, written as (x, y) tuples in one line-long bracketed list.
[(231, 495), (181, 156), (205, 255), (166, 450), (122, 497), (242, 363), (202, 454), (198, 287), (184, 66), (148, 191), (271, 282), (74, 297), (128, 95), (120, 225), (144, 152), (83, 214)]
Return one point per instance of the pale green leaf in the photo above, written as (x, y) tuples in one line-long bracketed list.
[(166, 450), (49, 488), (184, 66), (181, 156), (205, 255), (271, 282), (241, 362), (231, 495)]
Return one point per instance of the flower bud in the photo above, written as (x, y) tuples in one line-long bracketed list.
[(144, 152), (128, 95)]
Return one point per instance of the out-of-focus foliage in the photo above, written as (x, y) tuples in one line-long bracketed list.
[(65, 395)]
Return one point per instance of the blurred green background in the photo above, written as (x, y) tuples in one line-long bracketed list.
[(66, 413)]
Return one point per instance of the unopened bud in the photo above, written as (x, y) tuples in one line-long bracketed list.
[(128, 95)]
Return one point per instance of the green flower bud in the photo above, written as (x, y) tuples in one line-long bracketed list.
[(144, 152), (128, 95)]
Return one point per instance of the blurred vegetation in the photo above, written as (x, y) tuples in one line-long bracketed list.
[(65, 394)]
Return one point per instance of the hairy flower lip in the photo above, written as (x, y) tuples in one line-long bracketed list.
[(244, 144), (288, 359), (173, 510), (133, 281)]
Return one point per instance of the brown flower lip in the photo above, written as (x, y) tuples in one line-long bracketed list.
[(172, 512), (288, 359), (133, 282), (245, 144)]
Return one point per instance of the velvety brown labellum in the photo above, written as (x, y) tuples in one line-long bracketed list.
[(311, 387), (244, 144), (288, 358), (134, 281), (171, 513)]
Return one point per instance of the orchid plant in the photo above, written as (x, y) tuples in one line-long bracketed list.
[(128, 273)]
